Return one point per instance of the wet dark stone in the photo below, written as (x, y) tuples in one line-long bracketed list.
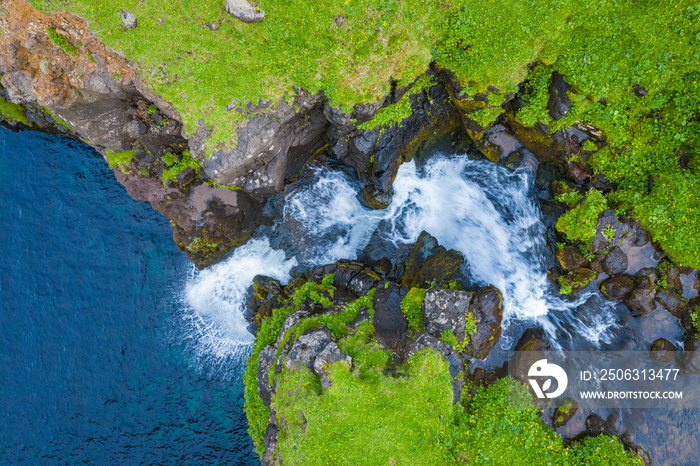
[(594, 425), (691, 356), (486, 307), (615, 262), (534, 339), (513, 160), (673, 302), (564, 412), (343, 272), (430, 263), (663, 350), (546, 173), (383, 255), (186, 176), (570, 258), (389, 321), (641, 300), (363, 282), (673, 280), (617, 287), (559, 102), (264, 286)]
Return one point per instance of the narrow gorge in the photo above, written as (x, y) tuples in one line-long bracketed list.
[(383, 201)]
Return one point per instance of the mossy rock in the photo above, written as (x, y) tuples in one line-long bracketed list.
[(617, 287)]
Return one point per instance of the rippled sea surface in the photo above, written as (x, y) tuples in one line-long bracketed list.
[(95, 362)]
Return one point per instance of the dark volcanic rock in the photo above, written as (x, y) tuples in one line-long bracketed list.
[(486, 307), (389, 321), (691, 356), (617, 287), (615, 262), (430, 263), (559, 102), (663, 350), (533, 339), (267, 359), (445, 310), (570, 258), (673, 302), (641, 300), (564, 412)]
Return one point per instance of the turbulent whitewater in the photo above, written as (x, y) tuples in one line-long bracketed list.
[(477, 207)]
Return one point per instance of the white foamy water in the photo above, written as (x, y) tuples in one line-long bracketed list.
[(476, 207), (215, 298)]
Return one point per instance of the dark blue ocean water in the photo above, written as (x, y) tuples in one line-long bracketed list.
[(94, 362)]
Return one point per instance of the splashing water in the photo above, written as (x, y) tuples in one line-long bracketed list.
[(215, 299), (476, 207)]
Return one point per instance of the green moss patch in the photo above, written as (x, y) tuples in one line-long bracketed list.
[(186, 161), (579, 224), (411, 307), (61, 41), (119, 159), (12, 111)]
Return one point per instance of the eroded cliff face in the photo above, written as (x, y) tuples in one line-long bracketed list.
[(58, 78), (66, 81)]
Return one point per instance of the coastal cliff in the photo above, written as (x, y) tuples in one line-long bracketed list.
[(209, 118)]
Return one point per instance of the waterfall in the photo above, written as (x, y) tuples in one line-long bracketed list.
[(479, 208)]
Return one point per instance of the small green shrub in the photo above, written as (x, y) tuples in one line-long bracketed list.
[(119, 159), (61, 41), (187, 161), (695, 318), (411, 307), (579, 223)]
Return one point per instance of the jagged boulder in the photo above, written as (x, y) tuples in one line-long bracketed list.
[(429, 264), (389, 321), (445, 310), (641, 300), (487, 309)]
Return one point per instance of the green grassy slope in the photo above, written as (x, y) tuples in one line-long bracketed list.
[(604, 48)]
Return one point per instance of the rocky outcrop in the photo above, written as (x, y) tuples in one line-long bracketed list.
[(323, 315), (446, 310)]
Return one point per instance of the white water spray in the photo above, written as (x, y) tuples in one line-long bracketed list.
[(478, 208)]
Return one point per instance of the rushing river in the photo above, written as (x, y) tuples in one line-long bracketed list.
[(114, 347)]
